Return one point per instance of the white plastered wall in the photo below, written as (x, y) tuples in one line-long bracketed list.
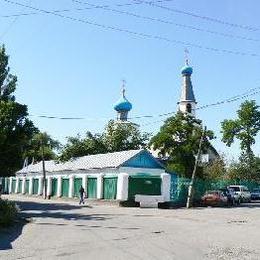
[(49, 185), (40, 186), (59, 184), (122, 186), (10, 184), (71, 186), (100, 186), (166, 186), (30, 185), (23, 184), (16, 184)]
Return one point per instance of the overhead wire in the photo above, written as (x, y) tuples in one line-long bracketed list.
[(203, 17), (81, 9), (164, 21), (246, 94), (229, 100), (138, 34)]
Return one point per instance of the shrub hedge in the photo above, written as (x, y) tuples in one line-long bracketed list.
[(8, 212)]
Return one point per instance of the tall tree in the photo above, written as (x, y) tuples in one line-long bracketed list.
[(77, 146), (244, 128), (15, 127), (120, 136), (41, 142), (116, 137), (178, 140)]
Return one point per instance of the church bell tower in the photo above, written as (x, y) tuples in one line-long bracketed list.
[(187, 103)]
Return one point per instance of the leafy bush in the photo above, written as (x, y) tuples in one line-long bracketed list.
[(8, 212)]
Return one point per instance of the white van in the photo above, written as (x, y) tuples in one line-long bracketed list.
[(241, 193)]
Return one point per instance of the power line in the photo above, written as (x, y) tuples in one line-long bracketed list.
[(138, 34), (246, 94), (230, 100), (11, 25), (167, 22), (207, 18), (80, 9)]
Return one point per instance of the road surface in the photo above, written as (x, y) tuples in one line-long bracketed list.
[(65, 230)]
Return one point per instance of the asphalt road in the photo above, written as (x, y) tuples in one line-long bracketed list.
[(65, 230)]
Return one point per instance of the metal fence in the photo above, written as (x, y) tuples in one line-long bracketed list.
[(180, 185)]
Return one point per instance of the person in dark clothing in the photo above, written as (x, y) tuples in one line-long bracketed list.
[(81, 195)]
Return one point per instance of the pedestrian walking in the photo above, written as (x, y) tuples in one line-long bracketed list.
[(81, 195)]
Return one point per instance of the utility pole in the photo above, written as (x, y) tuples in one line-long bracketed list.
[(191, 186), (43, 170)]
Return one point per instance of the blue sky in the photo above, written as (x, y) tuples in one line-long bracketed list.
[(73, 69)]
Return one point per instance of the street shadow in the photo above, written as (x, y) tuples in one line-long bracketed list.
[(8, 235), (30, 205), (30, 211), (36, 210)]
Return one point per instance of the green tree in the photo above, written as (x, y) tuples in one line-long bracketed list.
[(240, 170), (41, 142), (116, 137), (123, 136), (77, 146), (178, 140), (244, 128), (15, 127), (215, 170)]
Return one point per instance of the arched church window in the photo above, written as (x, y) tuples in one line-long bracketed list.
[(188, 108)]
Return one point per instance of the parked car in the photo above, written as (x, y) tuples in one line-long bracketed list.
[(215, 198), (230, 195), (255, 194), (241, 193)]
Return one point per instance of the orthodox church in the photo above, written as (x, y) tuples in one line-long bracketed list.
[(135, 175), (187, 104)]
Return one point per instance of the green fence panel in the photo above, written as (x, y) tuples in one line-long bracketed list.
[(27, 183), (65, 188), (77, 185), (110, 188), (54, 187), (35, 186), (92, 187), (180, 185), (13, 185), (20, 185), (144, 185)]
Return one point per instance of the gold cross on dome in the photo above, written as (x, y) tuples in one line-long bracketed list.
[(186, 52)]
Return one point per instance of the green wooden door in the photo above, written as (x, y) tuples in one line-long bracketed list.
[(20, 186), (92, 187), (77, 185), (110, 188), (35, 186), (27, 182), (54, 187), (145, 185), (6, 190), (65, 188), (13, 185)]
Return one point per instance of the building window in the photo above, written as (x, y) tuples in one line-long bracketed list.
[(188, 108)]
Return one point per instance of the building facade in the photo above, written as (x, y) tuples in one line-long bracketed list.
[(112, 176)]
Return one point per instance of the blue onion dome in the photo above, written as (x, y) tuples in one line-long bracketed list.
[(123, 104), (186, 70)]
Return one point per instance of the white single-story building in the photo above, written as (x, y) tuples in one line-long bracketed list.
[(114, 176)]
